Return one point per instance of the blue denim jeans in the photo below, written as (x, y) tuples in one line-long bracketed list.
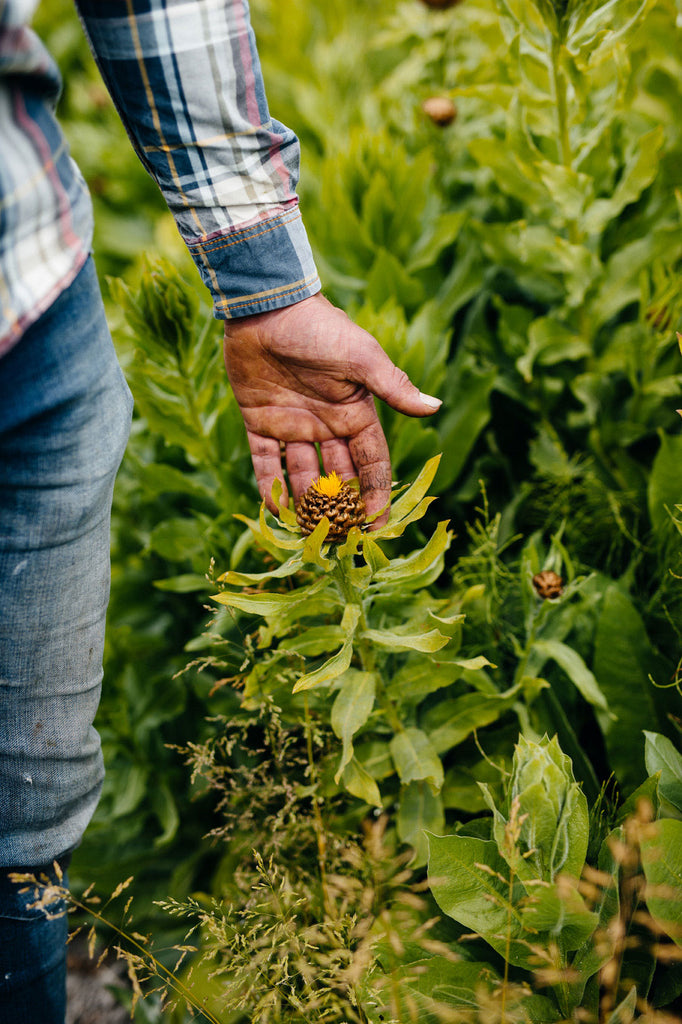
[(64, 420)]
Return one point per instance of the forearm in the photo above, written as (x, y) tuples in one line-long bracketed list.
[(187, 83)]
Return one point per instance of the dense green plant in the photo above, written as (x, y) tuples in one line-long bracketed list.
[(518, 885)]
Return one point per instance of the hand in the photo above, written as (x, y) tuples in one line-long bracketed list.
[(306, 374)]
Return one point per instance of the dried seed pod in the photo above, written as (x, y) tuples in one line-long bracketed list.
[(548, 585), (440, 109), (340, 502)]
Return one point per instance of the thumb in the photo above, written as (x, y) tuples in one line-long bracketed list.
[(391, 384)]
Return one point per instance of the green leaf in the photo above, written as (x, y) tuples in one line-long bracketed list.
[(441, 233), (412, 497), (331, 669), (351, 709), (575, 668), (453, 720), (388, 278), (177, 538), (351, 544), (416, 759), (360, 783), (187, 583), (639, 172), (559, 909), (661, 756), (373, 555), (665, 483), (312, 548), (470, 883), (402, 570), (624, 1013), (166, 810), (431, 641), (257, 604), (623, 658), (314, 641), (250, 579), (413, 682), (419, 809)]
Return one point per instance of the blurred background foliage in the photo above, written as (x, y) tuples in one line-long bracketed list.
[(523, 263)]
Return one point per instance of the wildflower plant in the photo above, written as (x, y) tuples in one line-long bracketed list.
[(359, 639)]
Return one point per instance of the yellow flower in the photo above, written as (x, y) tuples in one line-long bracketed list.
[(330, 485)]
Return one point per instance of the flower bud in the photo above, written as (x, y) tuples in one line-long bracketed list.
[(543, 827), (440, 109)]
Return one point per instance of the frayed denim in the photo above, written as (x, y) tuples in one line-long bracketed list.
[(64, 420)]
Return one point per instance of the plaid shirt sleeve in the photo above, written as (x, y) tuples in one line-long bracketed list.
[(186, 80)]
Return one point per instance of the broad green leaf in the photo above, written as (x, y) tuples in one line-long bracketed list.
[(187, 583), (624, 1013), (576, 670), (550, 342), (357, 780), (166, 811), (351, 709), (462, 791), (419, 809), (257, 604), (623, 659), (661, 756), (439, 980), (559, 909), (413, 682), (470, 883), (332, 668), (412, 497), (250, 579), (177, 538), (639, 172), (397, 528), (440, 234), (416, 759), (388, 278), (375, 757), (665, 483), (453, 720), (314, 641), (401, 570), (591, 957), (430, 641)]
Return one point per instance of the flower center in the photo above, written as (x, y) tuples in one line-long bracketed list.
[(330, 485)]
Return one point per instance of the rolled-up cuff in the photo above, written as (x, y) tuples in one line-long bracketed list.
[(264, 266)]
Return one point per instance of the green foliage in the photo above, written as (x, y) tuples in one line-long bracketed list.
[(545, 921)]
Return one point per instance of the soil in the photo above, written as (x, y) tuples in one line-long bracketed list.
[(88, 988)]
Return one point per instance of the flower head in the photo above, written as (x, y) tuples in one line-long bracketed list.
[(330, 485)]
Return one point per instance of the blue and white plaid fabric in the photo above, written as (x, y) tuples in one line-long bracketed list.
[(186, 80)]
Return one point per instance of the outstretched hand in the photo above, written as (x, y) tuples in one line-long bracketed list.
[(306, 374)]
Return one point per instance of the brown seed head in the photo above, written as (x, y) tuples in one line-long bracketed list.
[(440, 109), (440, 5), (338, 501), (548, 585)]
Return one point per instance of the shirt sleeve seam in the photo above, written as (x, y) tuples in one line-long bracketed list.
[(225, 305), (243, 235)]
